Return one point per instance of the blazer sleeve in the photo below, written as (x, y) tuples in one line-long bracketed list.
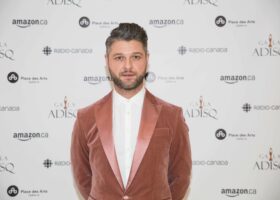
[(180, 165), (80, 160)]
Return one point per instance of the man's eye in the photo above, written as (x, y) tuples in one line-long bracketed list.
[(118, 58), (136, 57)]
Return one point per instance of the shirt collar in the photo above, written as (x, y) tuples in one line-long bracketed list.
[(139, 97)]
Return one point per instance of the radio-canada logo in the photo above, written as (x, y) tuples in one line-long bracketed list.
[(48, 163), (268, 47), (64, 109), (268, 161)]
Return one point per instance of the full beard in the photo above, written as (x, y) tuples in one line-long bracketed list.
[(131, 86)]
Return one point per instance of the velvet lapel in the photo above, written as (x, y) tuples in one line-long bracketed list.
[(104, 125), (150, 114)]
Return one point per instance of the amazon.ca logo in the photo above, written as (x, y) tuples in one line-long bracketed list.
[(234, 192)]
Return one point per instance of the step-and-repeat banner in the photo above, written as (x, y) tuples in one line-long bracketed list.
[(217, 59)]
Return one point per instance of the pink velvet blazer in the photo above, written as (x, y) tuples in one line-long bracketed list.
[(161, 166)]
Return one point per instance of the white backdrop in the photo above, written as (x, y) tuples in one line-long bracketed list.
[(217, 59)]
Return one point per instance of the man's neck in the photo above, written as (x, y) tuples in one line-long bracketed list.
[(128, 93)]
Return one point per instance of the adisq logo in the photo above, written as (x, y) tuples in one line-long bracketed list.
[(201, 109), (268, 161), (63, 110), (268, 47), (202, 2), (64, 3)]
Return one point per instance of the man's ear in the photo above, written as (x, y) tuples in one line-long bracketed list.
[(148, 57), (147, 54), (106, 60)]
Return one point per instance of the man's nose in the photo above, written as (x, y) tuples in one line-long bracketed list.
[(128, 63)]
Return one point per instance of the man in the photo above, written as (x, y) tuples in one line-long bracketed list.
[(130, 144)]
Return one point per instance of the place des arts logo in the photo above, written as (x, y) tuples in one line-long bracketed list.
[(222, 134), (14, 190), (201, 109), (6, 52), (6, 165), (14, 77), (63, 109), (222, 21), (26, 23), (267, 47), (76, 3), (85, 22), (47, 50), (162, 23), (268, 160), (151, 77)]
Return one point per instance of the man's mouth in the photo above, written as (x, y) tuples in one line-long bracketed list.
[(127, 74)]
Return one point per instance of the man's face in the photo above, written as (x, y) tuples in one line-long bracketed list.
[(127, 62)]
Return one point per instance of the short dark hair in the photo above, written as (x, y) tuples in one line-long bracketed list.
[(127, 32)]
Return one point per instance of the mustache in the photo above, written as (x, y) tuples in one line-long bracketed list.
[(127, 72)]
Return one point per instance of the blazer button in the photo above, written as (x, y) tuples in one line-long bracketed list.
[(126, 197)]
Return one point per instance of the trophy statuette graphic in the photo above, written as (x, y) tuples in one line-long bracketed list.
[(65, 103), (270, 154), (270, 41)]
